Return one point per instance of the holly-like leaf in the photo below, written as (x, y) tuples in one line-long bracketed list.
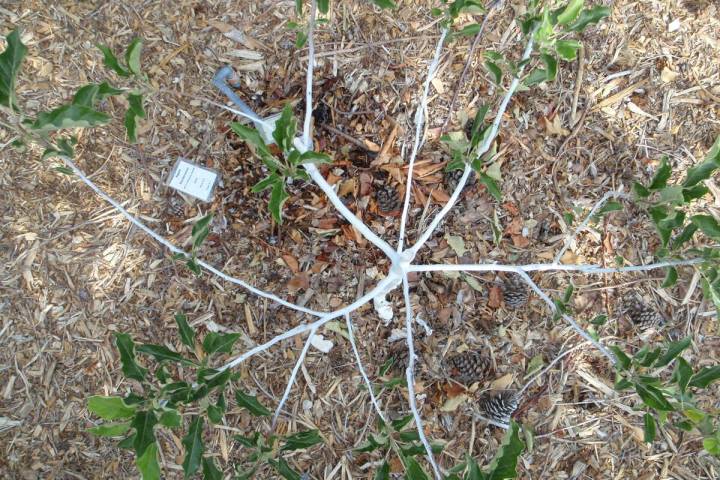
[(112, 62), (674, 349), (126, 347), (413, 470), (682, 374), (200, 230), (494, 70), (382, 473), (323, 6), (161, 353), (384, 3), (219, 342), (135, 101), (649, 430), (623, 360), (685, 236), (284, 469), (251, 403), (147, 463), (210, 471), (588, 17), (130, 124), (187, 334), (567, 49), (278, 196), (86, 95), (285, 128), (314, 157), (194, 447), (662, 175), (670, 278), (69, 116), (144, 424), (705, 377), (110, 429), (491, 185), (570, 12), (707, 224), (704, 170), (302, 440), (504, 465), (10, 61), (170, 418), (132, 55), (653, 397)]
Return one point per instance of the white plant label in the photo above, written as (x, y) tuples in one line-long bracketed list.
[(193, 180)]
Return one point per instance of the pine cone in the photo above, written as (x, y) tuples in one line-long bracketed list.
[(641, 314), (399, 353), (387, 199), (469, 367), (515, 291), (452, 179), (176, 207), (498, 406), (468, 129)]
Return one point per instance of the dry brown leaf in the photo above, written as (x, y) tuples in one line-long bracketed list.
[(453, 389), (440, 196), (291, 262), (301, 281), (372, 146), (511, 208), (452, 403), (519, 241), (503, 382), (515, 227), (365, 184), (495, 297), (554, 126), (347, 187)]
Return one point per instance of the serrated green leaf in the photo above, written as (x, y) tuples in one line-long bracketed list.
[(147, 463), (86, 95), (194, 447), (649, 429), (705, 377), (314, 157), (278, 196), (682, 374), (712, 445), (623, 360), (249, 442), (69, 116), (253, 138), (10, 62), (491, 185), (609, 206), (219, 342), (251, 403), (570, 12), (550, 66), (468, 30), (494, 70), (589, 16), (384, 3), (704, 170), (301, 440), (194, 266), (401, 422), (285, 128), (136, 104), (187, 334), (112, 62), (599, 320), (707, 224), (323, 6), (300, 39), (535, 77), (144, 424), (110, 429), (413, 470), (504, 464), (673, 350), (670, 278), (267, 182), (64, 170), (640, 190), (161, 353), (662, 175), (567, 49), (132, 55), (210, 471), (126, 347), (684, 236), (284, 469), (201, 230), (170, 418), (653, 397), (382, 473), (695, 192)]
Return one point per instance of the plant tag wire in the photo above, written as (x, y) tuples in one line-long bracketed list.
[(192, 179)]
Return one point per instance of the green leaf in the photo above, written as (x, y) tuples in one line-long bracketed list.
[(491, 185), (10, 61), (494, 70), (210, 471), (285, 128), (315, 157), (284, 469), (130, 124), (200, 230), (662, 175), (712, 445), (704, 170), (132, 55), (570, 12), (194, 266), (693, 193), (383, 473), (162, 353), (86, 95), (649, 422), (170, 418), (126, 347), (267, 182), (670, 278), (685, 236), (589, 16), (682, 374), (567, 49), (473, 470), (106, 90), (110, 429), (504, 464), (640, 190), (468, 30), (143, 423), (413, 470), (69, 116), (278, 196), (610, 206), (707, 224), (705, 377), (194, 447), (384, 3), (623, 360), (219, 342), (653, 397), (674, 349), (298, 6), (599, 320), (538, 75), (187, 334), (251, 136), (147, 463), (550, 66), (301, 39), (112, 62), (323, 6), (251, 403), (136, 104), (302, 440)]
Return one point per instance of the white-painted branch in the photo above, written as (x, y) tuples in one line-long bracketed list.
[(566, 317), (380, 287), (410, 376), (361, 368), (549, 267), (419, 123), (569, 240), (482, 149), (166, 243), (293, 375), (307, 140)]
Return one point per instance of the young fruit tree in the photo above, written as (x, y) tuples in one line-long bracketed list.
[(191, 388)]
